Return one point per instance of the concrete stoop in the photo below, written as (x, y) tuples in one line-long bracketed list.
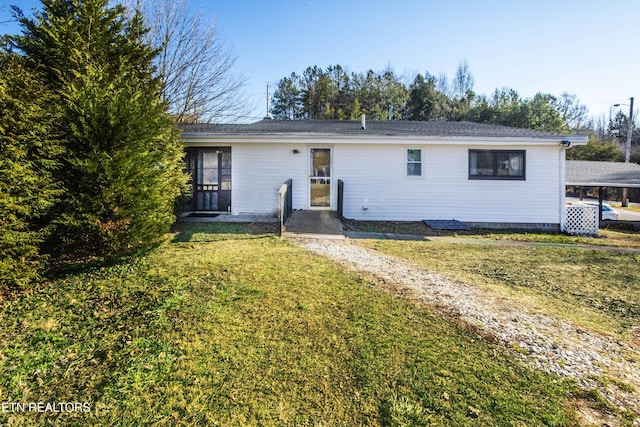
[(314, 224)]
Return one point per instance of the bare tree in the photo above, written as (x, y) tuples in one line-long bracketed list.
[(572, 112), (442, 84), (463, 80), (195, 64)]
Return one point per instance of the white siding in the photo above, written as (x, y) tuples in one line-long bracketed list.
[(258, 171), (377, 173)]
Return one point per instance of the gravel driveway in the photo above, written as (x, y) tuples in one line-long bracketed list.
[(547, 343)]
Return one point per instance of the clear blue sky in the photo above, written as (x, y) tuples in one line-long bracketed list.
[(585, 47)]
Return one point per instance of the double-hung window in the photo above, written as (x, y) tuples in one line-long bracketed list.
[(497, 164), (414, 162)]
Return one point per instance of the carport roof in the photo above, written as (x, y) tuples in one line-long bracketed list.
[(602, 174)]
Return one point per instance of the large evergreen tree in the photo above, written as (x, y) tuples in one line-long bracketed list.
[(28, 157), (287, 99), (335, 94), (425, 101), (507, 108), (122, 167)]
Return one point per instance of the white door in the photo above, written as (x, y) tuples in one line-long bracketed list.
[(320, 178)]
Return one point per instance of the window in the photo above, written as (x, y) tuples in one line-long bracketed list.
[(497, 164), (414, 162)]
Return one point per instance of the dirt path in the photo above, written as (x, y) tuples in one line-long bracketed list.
[(548, 343)]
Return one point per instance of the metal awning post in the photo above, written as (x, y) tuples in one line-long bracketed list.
[(600, 197)]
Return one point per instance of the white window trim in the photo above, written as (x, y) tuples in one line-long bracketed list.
[(407, 162), (333, 186)]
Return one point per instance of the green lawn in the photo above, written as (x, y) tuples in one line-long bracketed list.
[(607, 237), (222, 327), (597, 289)]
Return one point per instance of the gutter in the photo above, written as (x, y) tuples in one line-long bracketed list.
[(562, 175), (603, 184), (199, 137)]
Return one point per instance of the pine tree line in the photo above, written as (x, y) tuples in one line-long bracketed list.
[(334, 93), (337, 94)]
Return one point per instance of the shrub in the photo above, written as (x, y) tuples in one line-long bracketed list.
[(28, 153), (122, 167)]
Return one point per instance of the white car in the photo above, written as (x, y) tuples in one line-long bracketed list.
[(607, 211)]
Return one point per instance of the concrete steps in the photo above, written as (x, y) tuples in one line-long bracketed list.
[(322, 223)]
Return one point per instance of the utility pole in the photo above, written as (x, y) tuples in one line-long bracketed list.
[(268, 116), (627, 148)]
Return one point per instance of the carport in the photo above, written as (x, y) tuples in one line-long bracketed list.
[(582, 173)]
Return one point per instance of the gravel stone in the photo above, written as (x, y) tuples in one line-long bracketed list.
[(546, 343)]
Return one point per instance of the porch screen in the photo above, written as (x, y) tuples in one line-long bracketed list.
[(210, 170)]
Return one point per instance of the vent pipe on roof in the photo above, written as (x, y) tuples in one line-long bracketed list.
[(364, 122)]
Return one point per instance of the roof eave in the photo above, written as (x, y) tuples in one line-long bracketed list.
[(199, 137), (601, 184)]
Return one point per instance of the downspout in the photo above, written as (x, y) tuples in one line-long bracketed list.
[(562, 172)]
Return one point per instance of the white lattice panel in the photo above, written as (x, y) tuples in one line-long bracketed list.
[(582, 220)]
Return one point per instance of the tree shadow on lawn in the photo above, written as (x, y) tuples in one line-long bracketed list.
[(191, 232), (64, 267), (214, 231)]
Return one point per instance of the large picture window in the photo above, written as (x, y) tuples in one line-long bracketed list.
[(497, 164)]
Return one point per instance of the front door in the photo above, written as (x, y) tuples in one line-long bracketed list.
[(320, 178), (210, 170)]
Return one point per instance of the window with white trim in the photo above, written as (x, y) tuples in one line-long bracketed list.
[(414, 162), (497, 164)]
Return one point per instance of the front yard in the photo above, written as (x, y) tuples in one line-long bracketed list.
[(596, 289), (219, 326)]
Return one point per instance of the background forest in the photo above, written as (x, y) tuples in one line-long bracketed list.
[(335, 93)]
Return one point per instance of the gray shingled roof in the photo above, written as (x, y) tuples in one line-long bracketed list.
[(603, 174), (375, 128)]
